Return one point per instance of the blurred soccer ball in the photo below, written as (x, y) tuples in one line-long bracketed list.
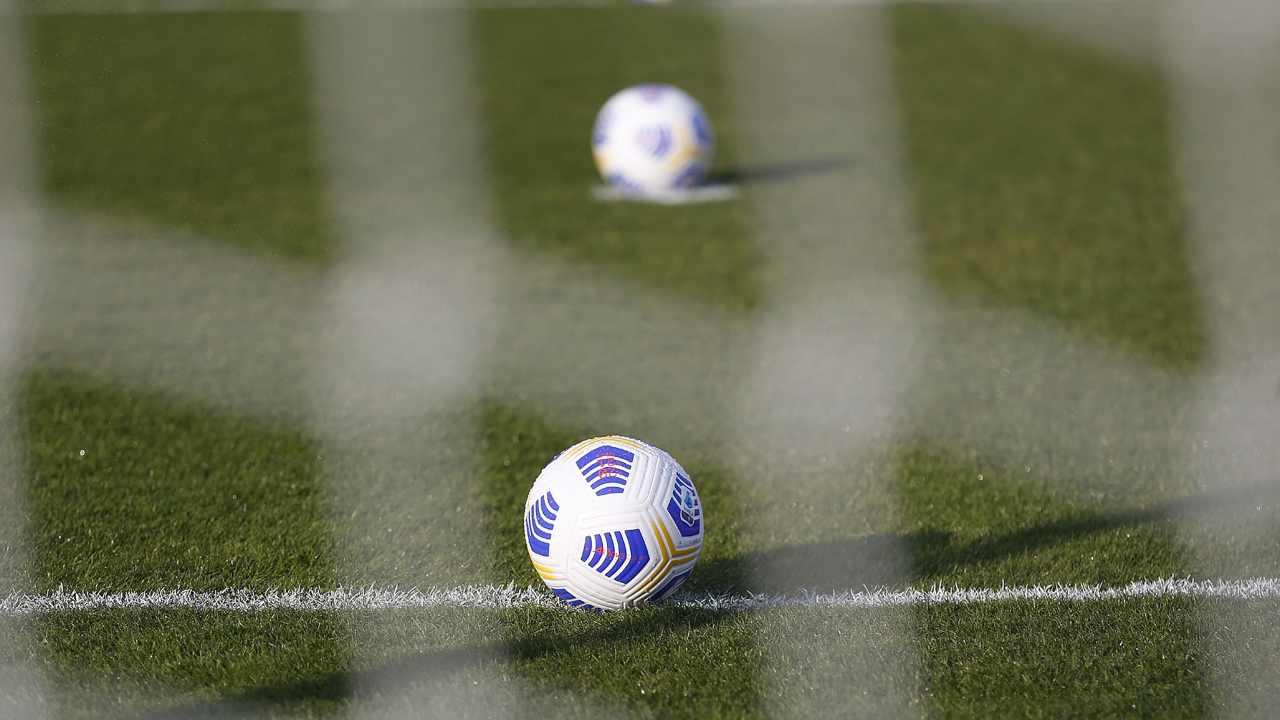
[(612, 523), (652, 139)]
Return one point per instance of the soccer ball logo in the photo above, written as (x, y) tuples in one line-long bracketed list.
[(612, 523), (652, 139)]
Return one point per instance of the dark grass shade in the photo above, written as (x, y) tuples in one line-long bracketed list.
[(167, 494), (1041, 176), (196, 122)]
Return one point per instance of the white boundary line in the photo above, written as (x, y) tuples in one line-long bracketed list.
[(21, 604), (692, 196)]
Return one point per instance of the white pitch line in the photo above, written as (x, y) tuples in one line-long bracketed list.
[(693, 196), (496, 597)]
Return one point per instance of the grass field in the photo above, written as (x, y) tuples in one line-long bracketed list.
[(313, 296)]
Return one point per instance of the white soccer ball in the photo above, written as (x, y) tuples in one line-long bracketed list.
[(612, 523), (652, 139)]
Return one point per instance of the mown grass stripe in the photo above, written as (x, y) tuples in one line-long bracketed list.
[(153, 7), (506, 597)]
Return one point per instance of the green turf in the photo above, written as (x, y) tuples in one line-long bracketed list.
[(1028, 196), (1048, 436), (1028, 659), (553, 70), (130, 491), (199, 124)]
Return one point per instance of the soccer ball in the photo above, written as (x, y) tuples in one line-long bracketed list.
[(612, 523), (652, 139)]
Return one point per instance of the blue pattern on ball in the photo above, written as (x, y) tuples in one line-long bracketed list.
[(538, 524), (685, 508), (702, 130), (671, 585), (568, 599), (657, 140), (690, 176), (616, 555), (606, 469), (622, 182)]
